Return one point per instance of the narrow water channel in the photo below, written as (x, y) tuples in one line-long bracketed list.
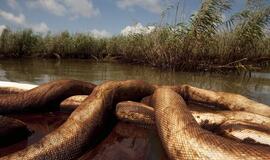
[(125, 141), (37, 71)]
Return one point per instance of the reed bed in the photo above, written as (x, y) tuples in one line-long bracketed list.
[(206, 42)]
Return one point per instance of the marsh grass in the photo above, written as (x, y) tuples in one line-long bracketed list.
[(205, 43)]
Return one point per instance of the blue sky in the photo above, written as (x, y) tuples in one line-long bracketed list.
[(105, 17)]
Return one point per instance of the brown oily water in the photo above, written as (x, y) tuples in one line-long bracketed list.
[(94, 114)]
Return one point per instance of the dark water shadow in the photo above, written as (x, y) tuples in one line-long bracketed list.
[(39, 124)]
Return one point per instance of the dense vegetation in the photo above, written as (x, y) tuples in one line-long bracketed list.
[(206, 42)]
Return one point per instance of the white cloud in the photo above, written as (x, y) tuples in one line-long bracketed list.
[(2, 27), (20, 19), (72, 8), (223, 17), (150, 5), (83, 8), (100, 33), (41, 27), (13, 4), (137, 29), (50, 5)]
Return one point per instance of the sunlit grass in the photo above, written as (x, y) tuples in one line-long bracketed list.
[(205, 43)]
